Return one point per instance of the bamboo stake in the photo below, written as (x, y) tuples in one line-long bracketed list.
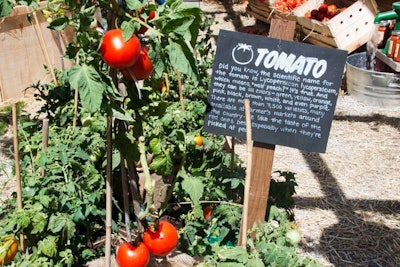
[(125, 196), (249, 145), (108, 193), (76, 95), (180, 91), (45, 139), (17, 170), (232, 153), (39, 34)]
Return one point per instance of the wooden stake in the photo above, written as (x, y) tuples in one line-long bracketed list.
[(180, 91), (42, 42), (45, 139), (76, 95), (17, 170), (249, 145), (108, 193)]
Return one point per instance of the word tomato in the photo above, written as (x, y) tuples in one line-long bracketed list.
[(142, 69), (162, 240), (117, 52), (131, 255)]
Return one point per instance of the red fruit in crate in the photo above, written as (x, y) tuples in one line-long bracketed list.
[(321, 16), (332, 8), (314, 14), (323, 8)]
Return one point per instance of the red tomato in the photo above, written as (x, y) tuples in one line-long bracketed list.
[(142, 69), (143, 29), (207, 212), (116, 52), (162, 240), (292, 4), (130, 255)]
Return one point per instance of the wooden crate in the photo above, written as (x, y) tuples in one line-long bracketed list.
[(264, 11), (23, 49), (348, 30)]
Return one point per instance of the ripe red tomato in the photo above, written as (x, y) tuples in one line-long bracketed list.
[(143, 29), (116, 52), (162, 240), (207, 212), (130, 255), (142, 69)]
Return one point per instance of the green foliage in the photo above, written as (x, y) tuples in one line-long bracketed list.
[(62, 209), (269, 247)]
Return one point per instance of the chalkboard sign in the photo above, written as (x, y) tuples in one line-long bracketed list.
[(292, 88)]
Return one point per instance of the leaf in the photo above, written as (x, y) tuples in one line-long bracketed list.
[(161, 164), (48, 246), (155, 146), (134, 4), (128, 28), (39, 222), (235, 253), (194, 187), (182, 59), (255, 263), (5, 8), (88, 81), (180, 26), (59, 23)]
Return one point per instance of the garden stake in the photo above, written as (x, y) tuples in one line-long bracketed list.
[(45, 139), (166, 81), (180, 90), (39, 34), (249, 145), (17, 171), (108, 193), (75, 108), (125, 197)]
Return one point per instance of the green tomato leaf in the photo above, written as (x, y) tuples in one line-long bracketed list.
[(128, 28), (48, 246), (194, 187), (59, 23), (180, 26), (155, 146), (182, 59), (89, 84), (5, 8), (134, 4)]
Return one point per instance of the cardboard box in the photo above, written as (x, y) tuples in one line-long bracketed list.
[(348, 30)]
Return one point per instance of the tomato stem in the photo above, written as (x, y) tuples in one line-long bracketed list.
[(149, 184)]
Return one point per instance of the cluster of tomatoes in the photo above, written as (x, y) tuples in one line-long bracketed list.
[(287, 5), (158, 240), (324, 12), (129, 56)]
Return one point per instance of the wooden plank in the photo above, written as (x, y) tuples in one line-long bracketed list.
[(21, 55), (263, 154)]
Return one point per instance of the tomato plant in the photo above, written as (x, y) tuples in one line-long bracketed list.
[(161, 240), (117, 52), (8, 250), (142, 69), (129, 254), (151, 15)]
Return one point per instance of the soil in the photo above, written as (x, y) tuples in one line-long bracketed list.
[(347, 202)]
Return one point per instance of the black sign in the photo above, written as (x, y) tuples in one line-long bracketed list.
[(292, 88)]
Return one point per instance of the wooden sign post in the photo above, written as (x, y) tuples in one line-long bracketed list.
[(263, 154), (292, 88)]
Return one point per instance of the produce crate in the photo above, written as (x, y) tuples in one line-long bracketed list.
[(348, 30), (264, 11)]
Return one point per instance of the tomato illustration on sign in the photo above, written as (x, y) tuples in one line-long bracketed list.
[(242, 54)]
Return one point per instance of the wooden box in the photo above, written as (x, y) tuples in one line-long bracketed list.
[(264, 11), (348, 30), (25, 48)]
